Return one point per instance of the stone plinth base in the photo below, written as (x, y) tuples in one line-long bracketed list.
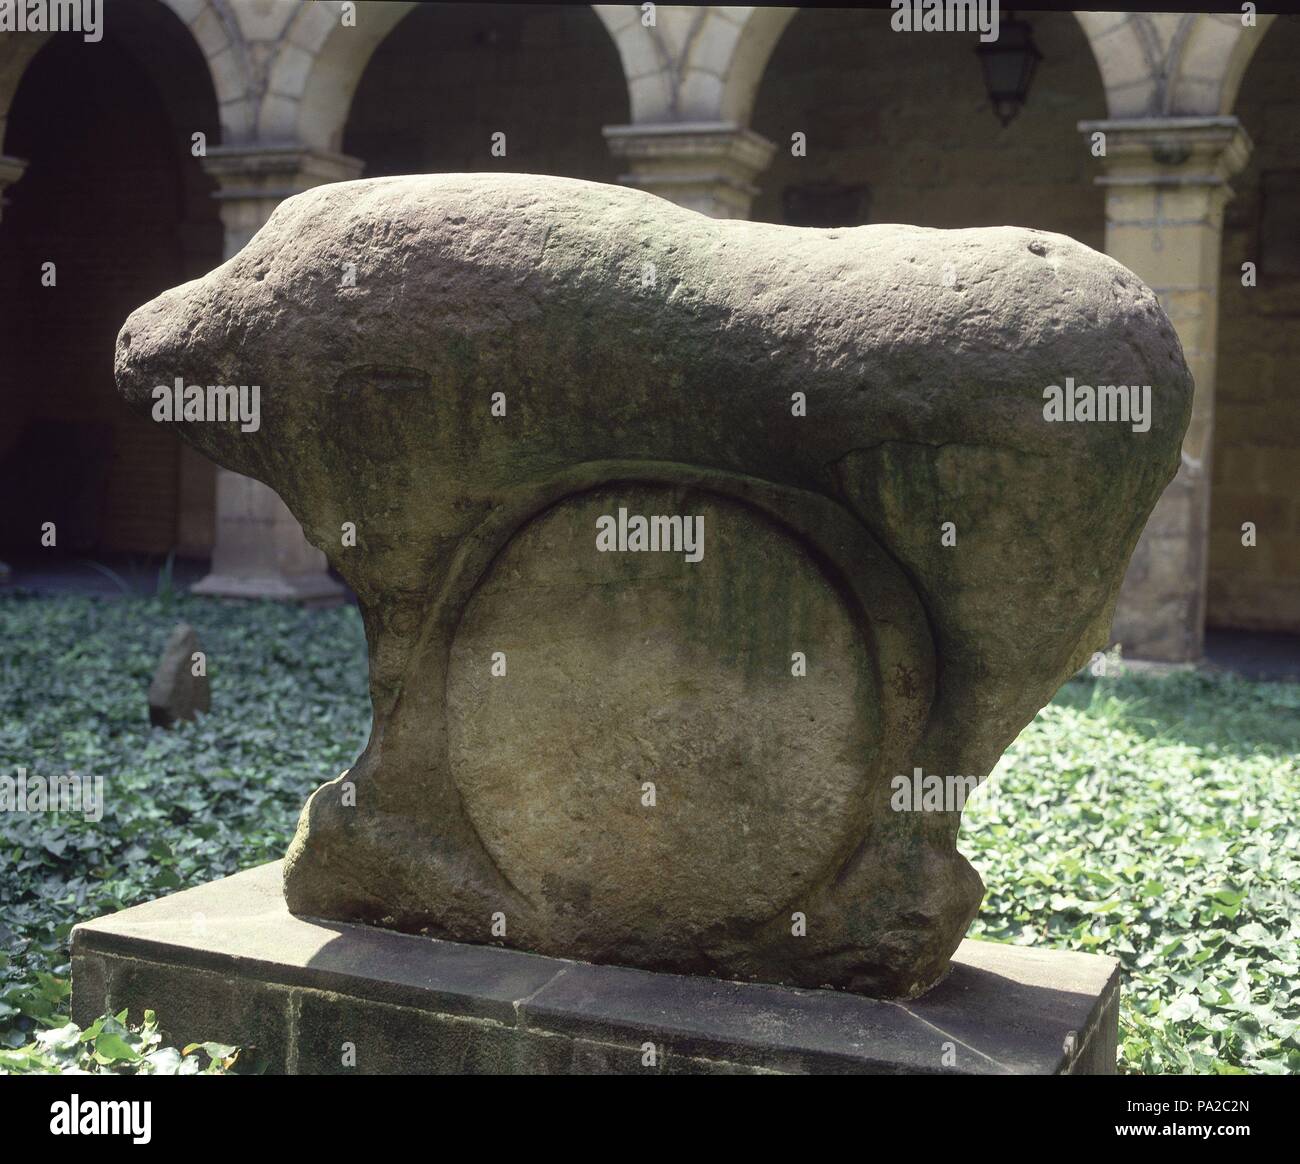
[(227, 962), (309, 589)]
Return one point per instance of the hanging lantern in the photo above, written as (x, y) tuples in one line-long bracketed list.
[(1009, 63)]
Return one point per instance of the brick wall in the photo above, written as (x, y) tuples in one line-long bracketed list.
[(1256, 473)]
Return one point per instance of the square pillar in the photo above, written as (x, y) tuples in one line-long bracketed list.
[(1166, 183), (259, 550)]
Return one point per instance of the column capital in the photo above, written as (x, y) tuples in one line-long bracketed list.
[(275, 169), (1171, 151), (253, 179), (707, 166)]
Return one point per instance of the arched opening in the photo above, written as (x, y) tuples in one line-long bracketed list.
[(900, 129), (1256, 469), (450, 76), (114, 198)]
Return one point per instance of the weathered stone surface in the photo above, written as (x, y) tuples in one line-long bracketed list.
[(175, 692), (648, 357)]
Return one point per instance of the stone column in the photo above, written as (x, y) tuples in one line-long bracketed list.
[(11, 169), (705, 166), (260, 550), (1166, 183)]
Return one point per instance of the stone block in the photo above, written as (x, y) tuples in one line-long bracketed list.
[(176, 692), (227, 961)]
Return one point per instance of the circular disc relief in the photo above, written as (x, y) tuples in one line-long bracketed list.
[(626, 670)]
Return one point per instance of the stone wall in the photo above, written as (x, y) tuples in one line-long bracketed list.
[(909, 120)]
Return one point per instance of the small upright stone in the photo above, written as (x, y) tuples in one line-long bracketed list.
[(176, 692)]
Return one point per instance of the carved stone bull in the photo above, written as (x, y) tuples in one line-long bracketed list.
[(634, 757)]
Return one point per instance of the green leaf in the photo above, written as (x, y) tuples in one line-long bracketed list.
[(111, 1047)]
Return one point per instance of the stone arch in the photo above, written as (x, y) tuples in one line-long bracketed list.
[(16, 53), (212, 25), (700, 65), (436, 93), (123, 483), (735, 50), (1208, 60), (314, 75), (215, 29), (1126, 48), (1256, 424), (648, 64), (315, 71)]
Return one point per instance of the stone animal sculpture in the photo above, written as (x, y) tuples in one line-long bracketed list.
[(676, 762)]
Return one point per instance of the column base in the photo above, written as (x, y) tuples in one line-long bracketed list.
[(260, 550), (314, 589), (227, 962)]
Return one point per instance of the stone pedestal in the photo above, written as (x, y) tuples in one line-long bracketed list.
[(709, 167), (1166, 183), (228, 962), (259, 549)]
